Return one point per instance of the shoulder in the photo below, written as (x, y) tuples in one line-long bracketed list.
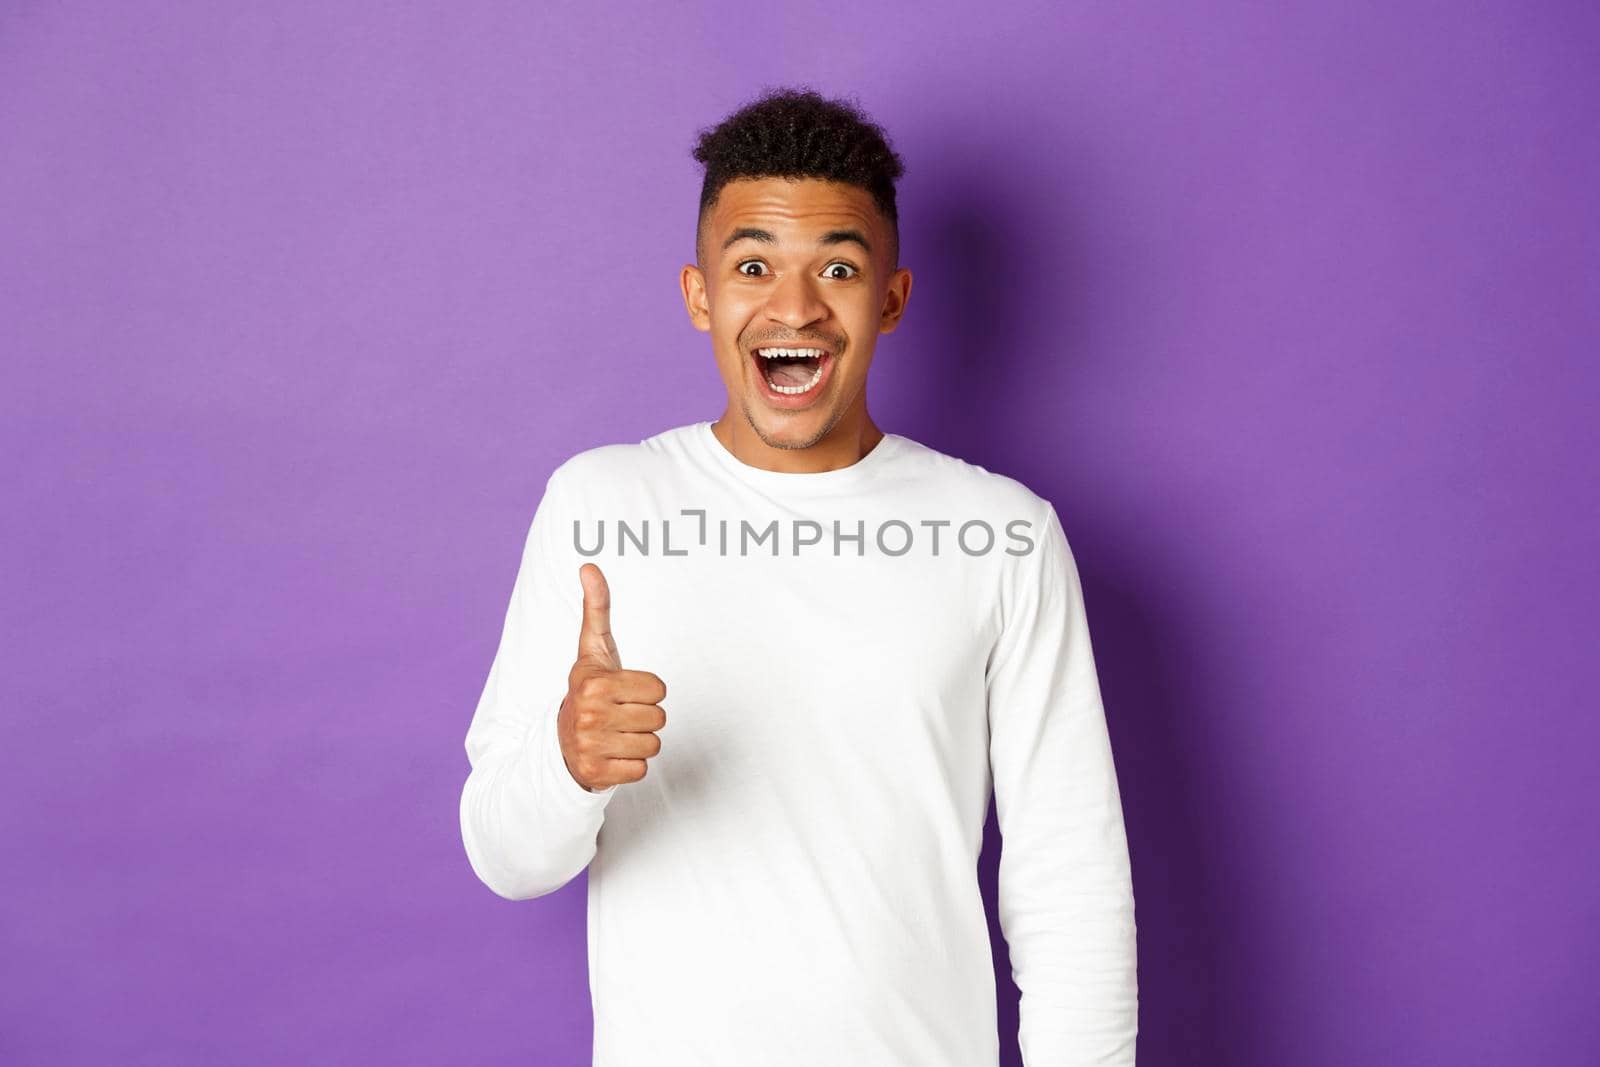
[(616, 468), (967, 491), (968, 485)]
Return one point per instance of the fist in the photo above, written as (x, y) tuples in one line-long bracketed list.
[(608, 719)]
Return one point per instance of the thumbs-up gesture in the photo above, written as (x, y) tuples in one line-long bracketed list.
[(607, 721)]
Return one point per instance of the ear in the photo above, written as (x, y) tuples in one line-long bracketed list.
[(894, 301), (693, 282)]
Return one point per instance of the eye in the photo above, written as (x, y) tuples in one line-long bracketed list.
[(741, 268), (846, 266)]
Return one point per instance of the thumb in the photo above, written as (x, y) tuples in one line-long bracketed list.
[(595, 643)]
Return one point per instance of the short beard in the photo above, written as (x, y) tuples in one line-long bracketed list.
[(833, 420)]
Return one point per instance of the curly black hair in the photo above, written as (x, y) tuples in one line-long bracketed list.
[(798, 133)]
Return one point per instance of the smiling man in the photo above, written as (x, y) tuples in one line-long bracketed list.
[(799, 280), (858, 638)]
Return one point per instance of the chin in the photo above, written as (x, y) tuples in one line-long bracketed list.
[(790, 429)]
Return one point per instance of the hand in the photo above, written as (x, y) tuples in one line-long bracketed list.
[(607, 720)]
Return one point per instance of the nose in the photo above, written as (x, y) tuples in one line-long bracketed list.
[(795, 302)]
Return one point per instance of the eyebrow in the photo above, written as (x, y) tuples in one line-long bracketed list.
[(832, 237)]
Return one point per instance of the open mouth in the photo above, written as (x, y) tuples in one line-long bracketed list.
[(792, 373)]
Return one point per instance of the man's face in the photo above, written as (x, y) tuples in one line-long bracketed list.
[(795, 264)]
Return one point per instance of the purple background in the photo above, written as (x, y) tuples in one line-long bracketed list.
[(1294, 316)]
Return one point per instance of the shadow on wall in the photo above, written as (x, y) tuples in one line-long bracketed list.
[(986, 267)]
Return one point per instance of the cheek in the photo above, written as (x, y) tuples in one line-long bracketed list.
[(728, 325), (730, 360)]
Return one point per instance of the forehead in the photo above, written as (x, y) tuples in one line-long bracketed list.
[(793, 207)]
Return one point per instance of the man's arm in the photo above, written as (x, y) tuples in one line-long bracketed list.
[(527, 825), (1066, 888)]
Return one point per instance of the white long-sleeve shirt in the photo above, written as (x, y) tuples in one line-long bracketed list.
[(794, 881)]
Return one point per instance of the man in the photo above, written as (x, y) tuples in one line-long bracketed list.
[(759, 676)]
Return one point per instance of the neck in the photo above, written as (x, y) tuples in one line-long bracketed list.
[(850, 439)]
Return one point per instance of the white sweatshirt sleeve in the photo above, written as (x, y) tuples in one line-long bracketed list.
[(1066, 889), (527, 825)]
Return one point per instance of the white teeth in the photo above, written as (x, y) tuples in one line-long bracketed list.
[(770, 353), (795, 390)]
